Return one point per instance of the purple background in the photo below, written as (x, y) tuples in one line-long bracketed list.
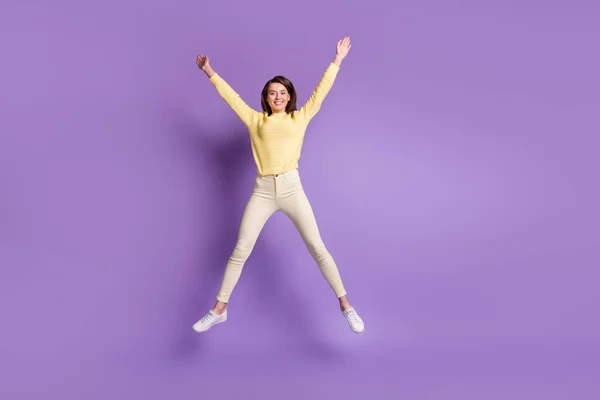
[(453, 170)]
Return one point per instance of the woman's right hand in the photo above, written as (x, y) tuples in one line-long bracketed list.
[(203, 62)]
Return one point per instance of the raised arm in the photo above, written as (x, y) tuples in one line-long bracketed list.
[(233, 99), (313, 104)]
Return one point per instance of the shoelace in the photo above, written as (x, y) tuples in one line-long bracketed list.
[(353, 316), (207, 318)]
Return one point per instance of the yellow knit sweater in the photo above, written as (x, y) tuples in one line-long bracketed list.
[(277, 139)]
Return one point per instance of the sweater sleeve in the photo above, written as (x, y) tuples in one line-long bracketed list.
[(233, 99), (313, 104)]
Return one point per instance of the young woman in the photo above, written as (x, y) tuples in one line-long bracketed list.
[(276, 137)]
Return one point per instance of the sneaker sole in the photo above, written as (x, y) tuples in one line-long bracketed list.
[(212, 326)]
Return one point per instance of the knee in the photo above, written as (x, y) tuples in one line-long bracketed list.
[(242, 249), (317, 249)]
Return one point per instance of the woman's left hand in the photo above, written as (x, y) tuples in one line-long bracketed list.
[(343, 47)]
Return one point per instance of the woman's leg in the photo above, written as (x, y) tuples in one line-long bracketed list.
[(295, 204), (258, 210), (261, 205), (298, 208)]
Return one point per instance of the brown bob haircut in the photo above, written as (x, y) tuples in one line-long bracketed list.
[(291, 105)]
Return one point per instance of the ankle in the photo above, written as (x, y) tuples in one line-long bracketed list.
[(219, 309)]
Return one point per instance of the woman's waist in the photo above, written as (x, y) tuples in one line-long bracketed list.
[(278, 172)]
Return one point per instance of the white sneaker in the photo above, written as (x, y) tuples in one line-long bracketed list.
[(209, 320), (356, 323)]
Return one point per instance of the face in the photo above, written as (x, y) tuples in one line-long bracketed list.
[(277, 97)]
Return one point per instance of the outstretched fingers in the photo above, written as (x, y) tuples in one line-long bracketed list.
[(201, 60), (343, 46)]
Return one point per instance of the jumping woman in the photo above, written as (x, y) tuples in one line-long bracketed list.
[(276, 137)]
